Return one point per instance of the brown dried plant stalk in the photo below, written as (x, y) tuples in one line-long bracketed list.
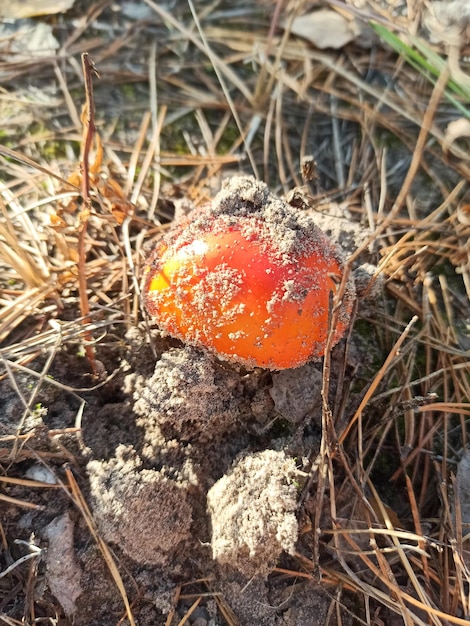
[(88, 120)]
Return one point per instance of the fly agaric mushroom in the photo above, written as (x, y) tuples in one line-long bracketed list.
[(249, 278)]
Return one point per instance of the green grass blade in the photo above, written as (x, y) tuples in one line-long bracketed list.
[(427, 62)]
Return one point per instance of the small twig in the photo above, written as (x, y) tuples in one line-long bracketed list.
[(329, 440), (88, 120)]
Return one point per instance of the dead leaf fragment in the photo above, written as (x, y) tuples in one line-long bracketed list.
[(325, 29), (16, 9), (297, 392), (457, 128), (448, 21), (63, 572), (29, 39)]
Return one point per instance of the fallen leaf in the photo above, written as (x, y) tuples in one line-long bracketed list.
[(448, 21), (63, 572), (325, 29), (29, 39), (457, 128), (17, 9)]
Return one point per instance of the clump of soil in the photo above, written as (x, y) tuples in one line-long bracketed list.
[(144, 511), (188, 398), (297, 392), (194, 416), (252, 511)]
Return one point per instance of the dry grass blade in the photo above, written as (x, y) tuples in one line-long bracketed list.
[(11, 622), (22, 503), (82, 506), (89, 130), (21, 307), (189, 612), (27, 483), (29, 163), (222, 69), (426, 123), (416, 584), (17, 355), (227, 612), (373, 387), (25, 256)]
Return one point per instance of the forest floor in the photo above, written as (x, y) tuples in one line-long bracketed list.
[(148, 481)]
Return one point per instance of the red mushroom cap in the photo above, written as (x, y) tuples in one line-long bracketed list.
[(250, 278)]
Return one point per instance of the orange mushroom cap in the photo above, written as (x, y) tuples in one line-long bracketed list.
[(248, 277)]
